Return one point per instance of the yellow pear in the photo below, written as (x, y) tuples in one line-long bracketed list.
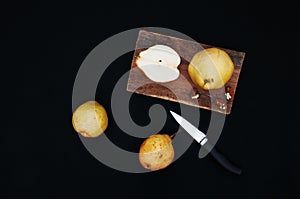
[(156, 152), (211, 68), (90, 119)]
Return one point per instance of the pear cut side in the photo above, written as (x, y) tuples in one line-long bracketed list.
[(160, 73), (159, 63)]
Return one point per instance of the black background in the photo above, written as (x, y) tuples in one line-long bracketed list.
[(43, 46)]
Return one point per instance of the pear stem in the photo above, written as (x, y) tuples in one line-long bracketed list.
[(172, 136)]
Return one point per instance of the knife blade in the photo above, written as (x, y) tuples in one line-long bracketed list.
[(201, 138), (191, 129)]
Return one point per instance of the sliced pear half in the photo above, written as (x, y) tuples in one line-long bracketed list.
[(159, 63)]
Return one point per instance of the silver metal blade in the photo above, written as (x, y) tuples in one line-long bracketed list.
[(191, 129)]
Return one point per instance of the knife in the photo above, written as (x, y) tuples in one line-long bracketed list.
[(202, 139)]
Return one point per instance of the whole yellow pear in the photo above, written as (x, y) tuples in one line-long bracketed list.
[(156, 152), (90, 119), (211, 68)]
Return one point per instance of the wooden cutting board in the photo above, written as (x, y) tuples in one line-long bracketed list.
[(214, 99)]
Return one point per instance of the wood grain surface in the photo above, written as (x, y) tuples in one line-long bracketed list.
[(182, 89)]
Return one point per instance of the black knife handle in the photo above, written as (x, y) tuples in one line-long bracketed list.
[(221, 159)]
